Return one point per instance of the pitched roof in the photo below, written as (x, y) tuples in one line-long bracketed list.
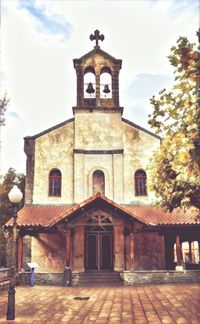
[(157, 215), (39, 215), (49, 215), (94, 51)]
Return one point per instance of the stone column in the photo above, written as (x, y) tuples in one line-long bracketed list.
[(115, 88), (19, 253), (97, 90), (68, 247), (132, 254), (179, 255), (80, 86)]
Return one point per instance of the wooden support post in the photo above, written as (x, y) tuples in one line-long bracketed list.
[(190, 251), (132, 251), (20, 253), (199, 249), (178, 251), (68, 247)]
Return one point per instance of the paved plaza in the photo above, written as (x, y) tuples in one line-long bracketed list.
[(154, 304)]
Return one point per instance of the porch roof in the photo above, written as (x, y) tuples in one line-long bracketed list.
[(46, 216)]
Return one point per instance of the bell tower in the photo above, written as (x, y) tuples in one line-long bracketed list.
[(97, 78), (98, 140)]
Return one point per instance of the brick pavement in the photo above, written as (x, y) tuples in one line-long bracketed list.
[(154, 304)]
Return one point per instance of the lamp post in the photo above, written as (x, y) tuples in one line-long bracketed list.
[(15, 196)]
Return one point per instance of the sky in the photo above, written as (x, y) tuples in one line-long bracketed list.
[(40, 38)]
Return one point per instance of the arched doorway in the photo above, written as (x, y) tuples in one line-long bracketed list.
[(99, 243)]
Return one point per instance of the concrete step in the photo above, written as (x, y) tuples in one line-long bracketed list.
[(99, 279), (102, 278), (99, 276)]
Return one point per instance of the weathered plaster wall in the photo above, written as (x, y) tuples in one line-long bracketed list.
[(98, 130), (98, 61), (106, 131), (54, 150), (138, 148), (86, 164), (49, 252), (92, 131), (149, 251)]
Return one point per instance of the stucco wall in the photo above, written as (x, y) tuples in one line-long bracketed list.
[(138, 148), (98, 130), (110, 164), (49, 252), (98, 61), (149, 251), (54, 150)]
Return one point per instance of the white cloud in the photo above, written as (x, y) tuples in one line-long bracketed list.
[(46, 22), (37, 65)]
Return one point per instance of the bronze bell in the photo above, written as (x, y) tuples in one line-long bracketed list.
[(90, 88), (106, 89)]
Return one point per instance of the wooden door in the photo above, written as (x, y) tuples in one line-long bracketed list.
[(91, 251), (99, 251), (106, 251)]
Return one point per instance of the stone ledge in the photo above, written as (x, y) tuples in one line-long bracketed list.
[(42, 278), (160, 276)]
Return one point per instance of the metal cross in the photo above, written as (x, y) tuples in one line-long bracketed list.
[(97, 37)]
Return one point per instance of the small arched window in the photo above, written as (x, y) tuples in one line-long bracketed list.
[(98, 182), (140, 183), (55, 183)]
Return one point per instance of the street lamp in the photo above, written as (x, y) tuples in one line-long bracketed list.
[(15, 196)]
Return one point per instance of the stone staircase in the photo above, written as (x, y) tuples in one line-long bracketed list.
[(100, 278)]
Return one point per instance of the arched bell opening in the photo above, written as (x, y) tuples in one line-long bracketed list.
[(89, 83), (106, 83)]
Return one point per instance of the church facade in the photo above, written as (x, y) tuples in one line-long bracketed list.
[(87, 202)]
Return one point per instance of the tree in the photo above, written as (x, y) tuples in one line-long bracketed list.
[(8, 181), (3, 106), (175, 167)]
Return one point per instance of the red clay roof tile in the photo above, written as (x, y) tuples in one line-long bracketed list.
[(49, 215)]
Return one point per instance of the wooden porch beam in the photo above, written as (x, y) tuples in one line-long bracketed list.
[(68, 247), (179, 254), (20, 253), (132, 254)]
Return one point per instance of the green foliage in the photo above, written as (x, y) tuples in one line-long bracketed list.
[(3, 106), (7, 182), (175, 167)]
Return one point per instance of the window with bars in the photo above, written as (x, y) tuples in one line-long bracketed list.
[(140, 183), (55, 183)]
